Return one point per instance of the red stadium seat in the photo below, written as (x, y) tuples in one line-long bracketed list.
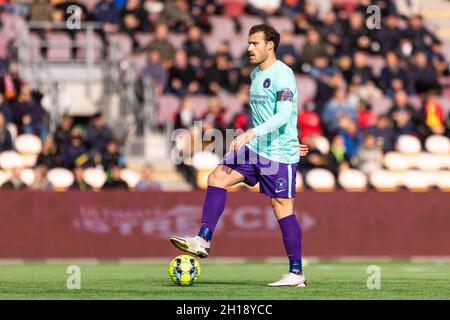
[(222, 27), (98, 46), (306, 87), (177, 40), (247, 22), (232, 105), (59, 46), (120, 45), (281, 23), (143, 38), (199, 104)]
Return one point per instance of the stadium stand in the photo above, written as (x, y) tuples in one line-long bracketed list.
[(374, 104)]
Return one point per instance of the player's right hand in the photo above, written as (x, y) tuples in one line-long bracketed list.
[(303, 150)]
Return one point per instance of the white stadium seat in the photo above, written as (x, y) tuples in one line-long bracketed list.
[(28, 144), (384, 180), (4, 177), (130, 176), (428, 162), (437, 144), (416, 180), (60, 178), (320, 180), (443, 180), (397, 161), (94, 177), (10, 160), (408, 144), (205, 160), (322, 144), (27, 176), (352, 180)]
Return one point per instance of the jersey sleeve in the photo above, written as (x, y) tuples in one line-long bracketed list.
[(285, 89)]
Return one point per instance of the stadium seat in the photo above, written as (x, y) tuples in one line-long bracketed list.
[(60, 178), (416, 180), (415, 101), (238, 47), (443, 180), (60, 46), (120, 45), (298, 41), (205, 160), (177, 40), (396, 161), (384, 180), (27, 176), (408, 144), (4, 177), (428, 162), (376, 63), (222, 27), (352, 180), (29, 160), (28, 144), (130, 176), (232, 106), (322, 144), (437, 144), (10, 160), (381, 105), (94, 177), (306, 90), (211, 44), (281, 23), (12, 128), (143, 38), (97, 55), (320, 180), (199, 104), (167, 106), (247, 22)]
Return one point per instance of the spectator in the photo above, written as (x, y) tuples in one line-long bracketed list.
[(351, 135), (308, 121), (403, 114), (339, 158), (48, 156), (11, 83), (107, 13), (335, 109), (112, 157), (357, 36), (134, 19), (286, 50), (162, 44), (40, 182), (114, 181), (79, 183), (214, 117), (75, 153), (361, 73), (432, 117), (369, 156), (331, 30), (439, 60), (62, 134), (366, 117), (217, 77), (200, 12), (423, 75), (393, 76), (185, 116), (6, 143), (15, 182), (176, 15), (182, 76), (384, 133), (5, 109), (419, 35), (147, 183), (28, 113), (155, 72), (388, 37), (314, 47), (194, 47), (98, 134)]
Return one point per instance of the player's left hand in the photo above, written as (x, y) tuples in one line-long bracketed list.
[(242, 140), (303, 150)]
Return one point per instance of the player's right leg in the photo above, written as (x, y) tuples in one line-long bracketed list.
[(219, 181)]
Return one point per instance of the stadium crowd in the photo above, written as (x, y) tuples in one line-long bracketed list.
[(350, 66)]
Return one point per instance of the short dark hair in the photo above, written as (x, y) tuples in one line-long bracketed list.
[(270, 34)]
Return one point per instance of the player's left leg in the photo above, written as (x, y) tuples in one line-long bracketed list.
[(292, 239)]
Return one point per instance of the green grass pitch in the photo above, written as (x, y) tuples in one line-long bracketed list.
[(327, 280)]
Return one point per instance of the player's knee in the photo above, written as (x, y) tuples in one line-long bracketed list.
[(216, 179)]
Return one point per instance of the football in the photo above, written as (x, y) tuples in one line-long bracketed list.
[(184, 270)]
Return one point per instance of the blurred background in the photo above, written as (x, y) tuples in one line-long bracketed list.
[(90, 96)]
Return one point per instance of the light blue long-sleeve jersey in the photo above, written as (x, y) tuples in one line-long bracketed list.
[(273, 100)]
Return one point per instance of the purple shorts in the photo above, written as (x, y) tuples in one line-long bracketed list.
[(276, 179)]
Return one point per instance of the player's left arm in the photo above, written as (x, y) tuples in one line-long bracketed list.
[(285, 89)]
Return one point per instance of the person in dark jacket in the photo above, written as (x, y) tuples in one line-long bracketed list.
[(98, 134)]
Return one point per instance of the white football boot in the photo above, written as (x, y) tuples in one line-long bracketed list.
[(195, 245), (290, 280)]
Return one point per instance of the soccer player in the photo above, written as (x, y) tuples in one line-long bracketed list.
[(268, 154)]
